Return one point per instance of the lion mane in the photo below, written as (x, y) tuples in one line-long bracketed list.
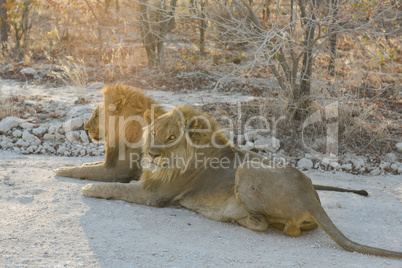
[(117, 119)]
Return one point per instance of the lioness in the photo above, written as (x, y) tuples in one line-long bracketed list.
[(122, 104), (189, 161)]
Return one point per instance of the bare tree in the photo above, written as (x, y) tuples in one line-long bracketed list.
[(297, 33), (156, 20)]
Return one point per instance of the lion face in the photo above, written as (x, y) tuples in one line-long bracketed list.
[(164, 141), (95, 130)]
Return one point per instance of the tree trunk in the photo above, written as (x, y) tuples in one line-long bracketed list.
[(333, 38), (300, 93), (203, 28), (5, 27)]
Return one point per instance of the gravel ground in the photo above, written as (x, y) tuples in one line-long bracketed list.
[(45, 222)]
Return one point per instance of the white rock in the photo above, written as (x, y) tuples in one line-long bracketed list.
[(73, 124), (400, 170), (84, 137), (399, 147), (270, 144), (390, 157), (347, 167), (59, 137), (61, 149), (358, 163), (36, 142), (82, 152), (27, 125), (31, 148), (17, 133), (375, 172), (95, 85), (363, 169), (73, 136), (39, 130), (248, 146), (16, 149), (384, 165), (52, 129), (304, 164), (28, 72), (26, 136), (335, 165), (9, 123), (50, 137), (251, 135), (394, 167)]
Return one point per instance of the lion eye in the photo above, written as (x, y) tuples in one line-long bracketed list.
[(172, 137)]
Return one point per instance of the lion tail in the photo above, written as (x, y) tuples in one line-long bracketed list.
[(325, 223)]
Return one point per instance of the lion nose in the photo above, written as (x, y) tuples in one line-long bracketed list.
[(153, 156)]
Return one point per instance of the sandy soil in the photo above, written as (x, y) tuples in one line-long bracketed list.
[(45, 222)]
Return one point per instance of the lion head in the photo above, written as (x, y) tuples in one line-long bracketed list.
[(119, 119), (95, 130), (173, 139)]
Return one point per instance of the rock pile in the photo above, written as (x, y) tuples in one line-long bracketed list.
[(68, 139)]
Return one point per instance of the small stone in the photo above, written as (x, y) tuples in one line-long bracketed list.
[(394, 167), (304, 164), (9, 123), (95, 85), (270, 144), (400, 170), (61, 149), (358, 163), (84, 137), (17, 133), (73, 124), (390, 157), (49, 137), (248, 146), (39, 130), (375, 172), (26, 136), (399, 147), (384, 165), (28, 72), (347, 167), (27, 125)]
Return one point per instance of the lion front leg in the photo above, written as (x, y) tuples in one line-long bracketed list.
[(97, 171), (131, 192)]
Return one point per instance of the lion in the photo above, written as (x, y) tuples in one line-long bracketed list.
[(127, 102), (189, 161), (121, 104)]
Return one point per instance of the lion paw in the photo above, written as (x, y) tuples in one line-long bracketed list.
[(89, 190), (64, 171)]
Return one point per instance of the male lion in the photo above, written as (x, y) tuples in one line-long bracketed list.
[(189, 161), (121, 107), (120, 100)]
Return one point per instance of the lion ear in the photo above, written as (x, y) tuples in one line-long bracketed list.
[(147, 116), (118, 102), (191, 122)]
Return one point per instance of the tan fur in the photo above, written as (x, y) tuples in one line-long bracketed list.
[(250, 190), (123, 102)]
